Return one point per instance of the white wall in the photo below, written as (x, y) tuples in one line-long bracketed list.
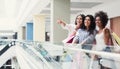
[(112, 9), (39, 28), (72, 18), (8, 24)]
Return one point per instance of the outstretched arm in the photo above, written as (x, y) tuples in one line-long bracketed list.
[(61, 23)]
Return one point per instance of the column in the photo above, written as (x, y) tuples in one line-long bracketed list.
[(60, 9), (21, 33), (39, 28)]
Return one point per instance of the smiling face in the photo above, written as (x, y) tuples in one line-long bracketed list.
[(79, 21), (98, 22), (87, 22)]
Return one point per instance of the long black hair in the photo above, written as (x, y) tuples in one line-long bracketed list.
[(83, 17), (92, 24)]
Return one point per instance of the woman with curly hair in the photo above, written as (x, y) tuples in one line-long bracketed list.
[(103, 37), (101, 19)]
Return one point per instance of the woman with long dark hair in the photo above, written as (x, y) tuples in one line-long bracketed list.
[(87, 30), (72, 28), (84, 36)]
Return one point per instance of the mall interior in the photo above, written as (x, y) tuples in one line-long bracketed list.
[(31, 38)]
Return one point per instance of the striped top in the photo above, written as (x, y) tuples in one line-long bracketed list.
[(82, 35)]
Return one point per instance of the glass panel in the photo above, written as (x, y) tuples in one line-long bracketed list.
[(90, 56), (35, 47)]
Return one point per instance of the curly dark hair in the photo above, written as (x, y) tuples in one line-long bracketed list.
[(83, 17), (92, 24), (103, 17)]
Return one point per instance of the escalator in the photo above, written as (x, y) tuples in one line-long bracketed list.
[(37, 51), (27, 55), (6, 53), (36, 55)]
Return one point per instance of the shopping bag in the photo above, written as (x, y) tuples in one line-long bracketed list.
[(116, 42), (115, 36), (68, 39)]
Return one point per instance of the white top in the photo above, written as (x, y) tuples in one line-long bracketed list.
[(100, 44), (70, 28)]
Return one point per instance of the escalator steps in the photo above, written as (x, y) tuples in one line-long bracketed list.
[(7, 65), (8, 62)]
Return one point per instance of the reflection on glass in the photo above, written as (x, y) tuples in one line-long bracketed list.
[(39, 48), (85, 56)]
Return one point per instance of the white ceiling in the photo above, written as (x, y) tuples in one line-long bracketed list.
[(9, 8), (79, 5), (16, 12), (76, 6)]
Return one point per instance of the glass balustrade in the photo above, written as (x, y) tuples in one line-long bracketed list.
[(68, 56)]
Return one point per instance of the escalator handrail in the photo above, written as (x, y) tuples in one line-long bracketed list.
[(12, 43)]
